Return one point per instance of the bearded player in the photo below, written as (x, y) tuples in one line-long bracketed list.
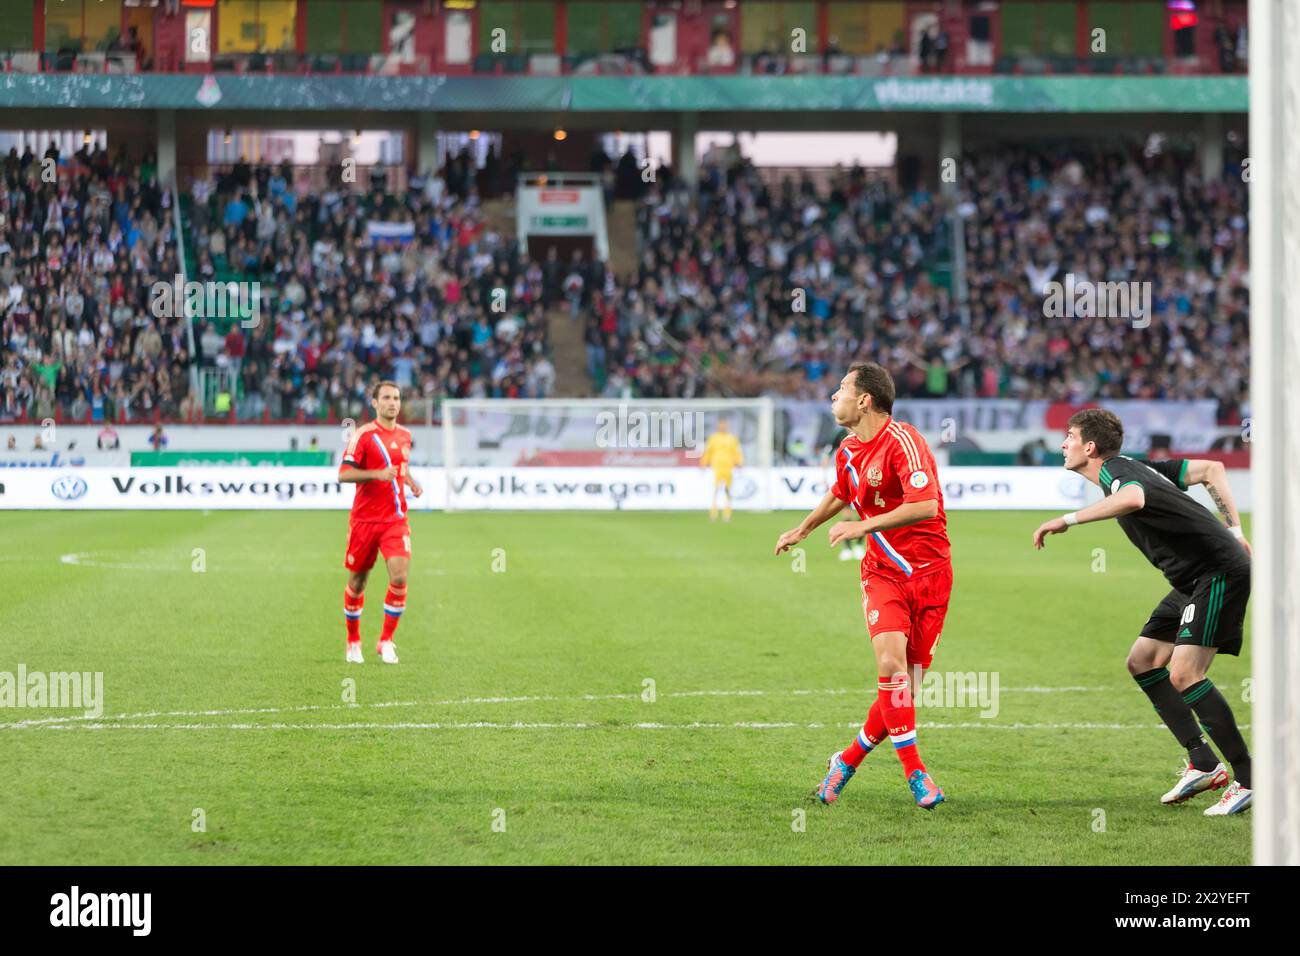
[(378, 460), (885, 471), (1206, 562)]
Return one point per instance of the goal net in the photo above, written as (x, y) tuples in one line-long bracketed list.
[(600, 453), (1274, 29)]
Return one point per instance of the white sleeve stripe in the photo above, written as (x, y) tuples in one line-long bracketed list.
[(911, 443), (357, 435), (902, 444), (916, 452), (909, 449)]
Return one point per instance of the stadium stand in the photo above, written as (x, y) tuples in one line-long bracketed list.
[(349, 306), (720, 277), (77, 259), (711, 307)]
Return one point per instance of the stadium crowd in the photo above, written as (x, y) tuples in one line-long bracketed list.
[(406, 284), (752, 288), (770, 290), (82, 240)]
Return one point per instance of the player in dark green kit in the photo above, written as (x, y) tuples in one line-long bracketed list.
[(1206, 561)]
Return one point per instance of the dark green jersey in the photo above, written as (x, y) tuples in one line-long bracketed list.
[(1179, 536)]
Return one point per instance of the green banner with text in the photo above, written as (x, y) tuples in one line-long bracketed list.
[(599, 94), (172, 459)]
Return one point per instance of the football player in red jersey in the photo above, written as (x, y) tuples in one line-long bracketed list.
[(884, 469), (378, 460)]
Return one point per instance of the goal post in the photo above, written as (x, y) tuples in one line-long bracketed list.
[(600, 453), (1274, 30)]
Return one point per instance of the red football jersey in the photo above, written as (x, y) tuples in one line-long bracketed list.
[(879, 475), (374, 447)]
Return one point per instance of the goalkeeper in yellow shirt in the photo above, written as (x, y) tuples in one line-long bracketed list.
[(722, 453)]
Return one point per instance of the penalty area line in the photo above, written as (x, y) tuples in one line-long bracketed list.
[(464, 701), (587, 725)]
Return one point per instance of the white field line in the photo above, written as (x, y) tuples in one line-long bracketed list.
[(84, 560), (460, 701), (183, 562), (579, 725)]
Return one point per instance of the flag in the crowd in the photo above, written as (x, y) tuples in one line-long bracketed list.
[(401, 231)]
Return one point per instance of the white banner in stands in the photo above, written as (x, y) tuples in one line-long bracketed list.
[(525, 489), (1189, 426)]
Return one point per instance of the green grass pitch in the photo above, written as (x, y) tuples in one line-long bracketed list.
[(515, 729)]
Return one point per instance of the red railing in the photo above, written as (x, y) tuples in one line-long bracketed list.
[(424, 39)]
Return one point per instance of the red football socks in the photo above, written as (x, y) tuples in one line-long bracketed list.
[(352, 613), (394, 605), (872, 733), (895, 699)]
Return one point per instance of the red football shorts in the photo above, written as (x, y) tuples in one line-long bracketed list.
[(916, 606), (366, 539)]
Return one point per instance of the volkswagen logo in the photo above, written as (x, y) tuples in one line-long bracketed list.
[(743, 488), (1073, 487), (68, 487)]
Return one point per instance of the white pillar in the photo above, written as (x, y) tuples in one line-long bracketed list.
[(167, 148), (1210, 149), (685, 167), (427, 159), (949, 149)]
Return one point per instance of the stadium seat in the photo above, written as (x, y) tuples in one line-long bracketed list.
[(90, 62), (120, 63), (25, 61), (545, 64)]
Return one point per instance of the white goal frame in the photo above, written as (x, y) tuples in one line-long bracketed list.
[(761, 461), (1274, 29)]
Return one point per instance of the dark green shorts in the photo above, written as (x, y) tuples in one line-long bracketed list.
[(1212, 616)]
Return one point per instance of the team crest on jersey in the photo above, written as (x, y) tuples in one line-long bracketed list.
[(874, 476), (873, 617), (919, 479), (1114, 486)]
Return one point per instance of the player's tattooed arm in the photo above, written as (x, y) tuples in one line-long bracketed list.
[(1217, 496), (1214, 476)]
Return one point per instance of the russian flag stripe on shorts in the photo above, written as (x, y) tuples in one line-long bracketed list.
[(397, 491)]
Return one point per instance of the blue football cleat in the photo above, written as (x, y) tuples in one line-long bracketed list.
[(838, 773), (927, 793)]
